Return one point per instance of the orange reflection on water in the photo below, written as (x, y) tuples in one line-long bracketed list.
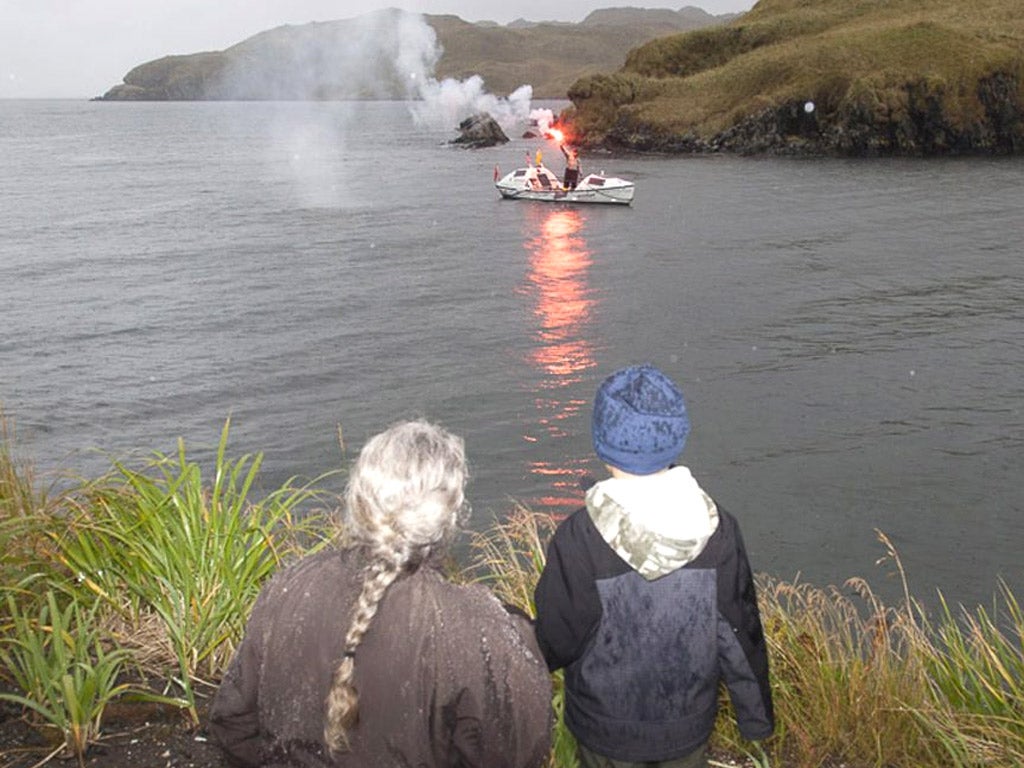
[(563, 304), (564, 494), (559, 260)]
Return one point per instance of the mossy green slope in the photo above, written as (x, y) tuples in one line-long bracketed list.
[(883, 77)]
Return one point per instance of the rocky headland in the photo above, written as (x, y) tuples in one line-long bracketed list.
[(821, 77), (807, 77)]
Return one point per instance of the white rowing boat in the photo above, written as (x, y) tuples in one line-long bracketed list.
[(539, 183)]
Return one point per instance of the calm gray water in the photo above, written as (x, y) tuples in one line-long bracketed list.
[(849, 334)]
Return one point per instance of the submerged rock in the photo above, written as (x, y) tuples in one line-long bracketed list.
[(480, 130)]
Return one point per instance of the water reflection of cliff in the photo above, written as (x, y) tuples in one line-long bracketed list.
[(563, 304)]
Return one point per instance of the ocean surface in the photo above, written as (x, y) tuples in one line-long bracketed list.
[(849, 334)]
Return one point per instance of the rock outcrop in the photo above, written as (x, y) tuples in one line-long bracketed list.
[(923, 127), (480, 130)]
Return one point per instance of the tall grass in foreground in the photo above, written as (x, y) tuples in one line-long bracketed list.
[(163, 546), (153, 572), (57, 657), (156, 570), (23, 512), (845, 679), (980, 673)]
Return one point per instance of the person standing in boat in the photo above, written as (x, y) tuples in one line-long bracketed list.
[(572, 166)]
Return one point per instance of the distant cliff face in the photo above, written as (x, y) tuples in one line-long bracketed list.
[(841, 77), (349, 59), (369, 57), (173, 78)]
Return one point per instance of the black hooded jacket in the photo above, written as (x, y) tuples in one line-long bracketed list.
[(647, 618)]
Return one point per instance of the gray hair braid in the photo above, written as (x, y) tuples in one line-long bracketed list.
[(405, 501)]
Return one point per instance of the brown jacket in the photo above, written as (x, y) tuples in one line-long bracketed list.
[(446, 676)]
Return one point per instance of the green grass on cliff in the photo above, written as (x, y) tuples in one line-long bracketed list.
[(863, 56)]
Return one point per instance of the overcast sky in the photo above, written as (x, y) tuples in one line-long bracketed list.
[(80, 48)]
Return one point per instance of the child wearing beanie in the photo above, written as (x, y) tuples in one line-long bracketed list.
[(647, 599)]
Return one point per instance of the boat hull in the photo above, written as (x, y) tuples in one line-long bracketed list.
[(619, 196), (541, 186)]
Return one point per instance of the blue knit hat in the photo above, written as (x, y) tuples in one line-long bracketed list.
[(639, 422)]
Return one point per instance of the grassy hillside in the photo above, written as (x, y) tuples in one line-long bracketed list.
[(549, 56), (333, 60), (899, 76)]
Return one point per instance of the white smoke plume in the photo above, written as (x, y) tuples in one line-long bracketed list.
[(418, 52), (379, 55), (543, 119), (446, 103)]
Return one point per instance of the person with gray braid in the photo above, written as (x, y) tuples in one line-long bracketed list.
[(365, 655)]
